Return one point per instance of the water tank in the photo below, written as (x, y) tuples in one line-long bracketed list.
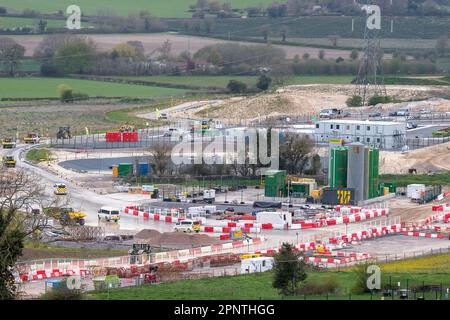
[(338, 167)]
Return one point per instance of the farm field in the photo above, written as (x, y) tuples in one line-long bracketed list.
[(324, 26), (47, 88), (13, 22), (46, 117), (258, 286), (163, 9), (179, 42)]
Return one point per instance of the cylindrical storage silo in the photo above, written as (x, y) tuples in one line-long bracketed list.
[(355, 169), (366, 172), (338, 167)]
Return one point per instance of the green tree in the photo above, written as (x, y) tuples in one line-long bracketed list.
[(354, 54), (236, 86), (11, 54), (19, 191), (294, 153), (354, 101), (289, 270), (321, 54), (263, 82), (75, 56), (42, 26)]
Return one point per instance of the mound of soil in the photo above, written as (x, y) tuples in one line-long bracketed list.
[(175, 239)]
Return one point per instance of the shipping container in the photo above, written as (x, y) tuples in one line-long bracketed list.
[(130, 137), (143, 169), (113, 137), (125, 169)]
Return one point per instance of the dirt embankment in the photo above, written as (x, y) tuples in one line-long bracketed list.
[(425, 160), (310, 99)]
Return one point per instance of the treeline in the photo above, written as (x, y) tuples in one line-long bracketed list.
[(72, 54)]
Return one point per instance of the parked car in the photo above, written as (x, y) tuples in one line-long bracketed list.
[(411, 125), (424, 111), (393, 114), (331, 113), (403, 112), (170, 132), (374, 114)]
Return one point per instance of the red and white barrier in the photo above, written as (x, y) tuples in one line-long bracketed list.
[(426, 235), (45, 274)]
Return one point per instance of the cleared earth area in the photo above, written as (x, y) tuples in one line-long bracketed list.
[(179, 43)]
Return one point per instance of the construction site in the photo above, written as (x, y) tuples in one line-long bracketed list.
[(214, 187)]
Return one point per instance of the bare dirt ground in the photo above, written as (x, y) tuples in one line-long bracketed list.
[(310, 99), (180, 43), (175, 239), (428, 159)]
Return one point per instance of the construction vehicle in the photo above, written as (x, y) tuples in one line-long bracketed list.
[(127, 128), (31, 138), (66, 216), (60, 189), (9, 143), (9, 162), (64, 133)]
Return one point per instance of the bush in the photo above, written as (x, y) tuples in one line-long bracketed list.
[(361, 275), (65, 93), (379, 99), (50, 70), (263, 82), (354, 101), (236, 86), (61, 292), (315, 287), (77, 96)]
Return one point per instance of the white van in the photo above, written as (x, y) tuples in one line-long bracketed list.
[(109, 214), (187, 225)]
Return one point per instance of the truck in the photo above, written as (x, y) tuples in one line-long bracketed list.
[(8, 143), (66, 216), (31, 138), (9, 162), (209, 196)]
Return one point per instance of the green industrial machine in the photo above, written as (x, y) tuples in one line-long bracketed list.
[(338, 167), (275, 183), (299, 190)]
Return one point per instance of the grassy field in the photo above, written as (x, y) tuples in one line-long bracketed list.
[(167, 8), (47, 87), (35, 251), (222, 81), (402, 180), (38, 155), (258, 286)]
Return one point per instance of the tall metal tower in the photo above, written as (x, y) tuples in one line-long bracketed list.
[(370, 80)]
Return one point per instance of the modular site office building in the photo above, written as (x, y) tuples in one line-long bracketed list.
[(381, 134)]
